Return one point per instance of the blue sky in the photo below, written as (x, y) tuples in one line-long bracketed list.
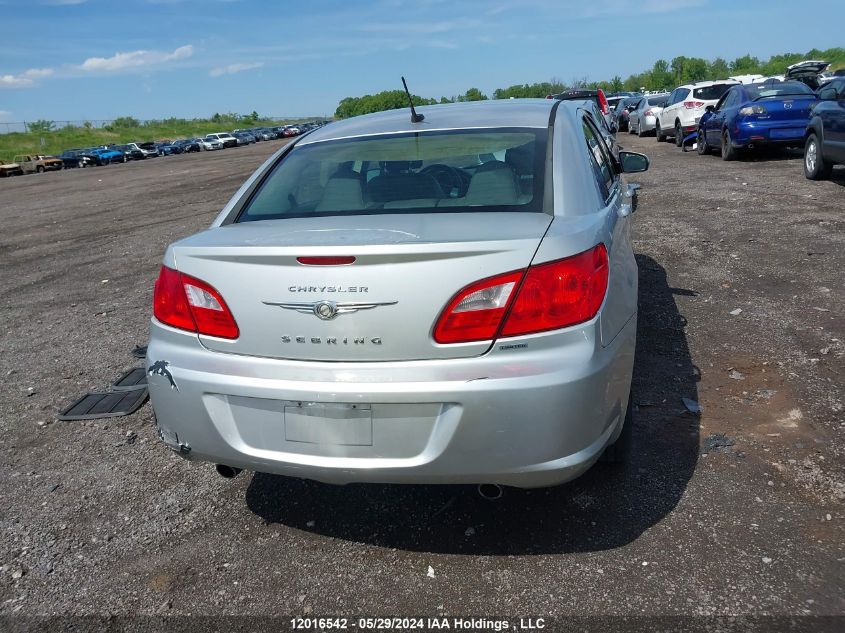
[(98, 59)]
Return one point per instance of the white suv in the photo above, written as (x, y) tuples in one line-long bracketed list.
[(685, 106), (224, 137)]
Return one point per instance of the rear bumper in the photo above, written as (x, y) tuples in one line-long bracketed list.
[(524, 418), (747, 134)]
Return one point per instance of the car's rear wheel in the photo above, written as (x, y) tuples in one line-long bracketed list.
[(728, 150), (658, 133), (815, 166), (679, 134), (618, 452), (703, 147), (39, 169), (640, 132)]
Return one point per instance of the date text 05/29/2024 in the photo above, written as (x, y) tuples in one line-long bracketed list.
[(419, 624)]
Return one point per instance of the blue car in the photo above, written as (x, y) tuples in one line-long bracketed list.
[(108, 156), (773, 113)]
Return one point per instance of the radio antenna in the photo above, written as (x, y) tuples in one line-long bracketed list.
[(415, 118)]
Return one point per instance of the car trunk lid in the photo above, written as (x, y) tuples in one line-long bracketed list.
[(382, 307)]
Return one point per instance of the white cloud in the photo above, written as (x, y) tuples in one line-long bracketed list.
[(134, 59), (26, 79), (231, 69), (5, 116)]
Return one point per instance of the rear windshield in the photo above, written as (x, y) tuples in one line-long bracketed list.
[(429, 172), (758, 91), (657, 101), (711, 93)]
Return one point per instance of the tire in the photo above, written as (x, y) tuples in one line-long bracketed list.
[(679, 134), (728, 150), (39, 169), (815, 166), (658, 133), (640, 132), (617, 453), (703, 147)]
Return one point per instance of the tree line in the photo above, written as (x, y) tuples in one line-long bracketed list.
[(663, 75)]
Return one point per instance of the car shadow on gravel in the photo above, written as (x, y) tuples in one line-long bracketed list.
[(608, 507)]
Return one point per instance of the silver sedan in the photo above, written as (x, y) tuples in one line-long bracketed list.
[(643, 119), (446, 300)]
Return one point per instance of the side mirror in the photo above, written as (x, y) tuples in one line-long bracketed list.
[(827, 94), (632, 162), (710, 108)]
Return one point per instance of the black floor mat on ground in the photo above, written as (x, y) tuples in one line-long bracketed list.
[(135, 378), (104, 405), (140, 351)]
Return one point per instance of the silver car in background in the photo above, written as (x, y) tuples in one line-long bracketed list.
[(452, 300), (642, 120)]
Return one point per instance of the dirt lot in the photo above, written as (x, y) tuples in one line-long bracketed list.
[(736, 512)]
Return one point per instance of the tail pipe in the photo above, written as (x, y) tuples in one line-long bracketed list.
[(491, 492), (229, 472)]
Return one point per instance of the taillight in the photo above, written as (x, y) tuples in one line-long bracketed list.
[(475, 313), (602, 101), (190, 304), (550, 296), (559, 294), (649, 113), (749, 110), (692, 105)]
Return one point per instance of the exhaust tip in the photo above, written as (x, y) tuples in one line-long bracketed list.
[(228, 472), (491, 492)]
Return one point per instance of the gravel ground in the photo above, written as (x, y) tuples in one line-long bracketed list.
[(738, 511)]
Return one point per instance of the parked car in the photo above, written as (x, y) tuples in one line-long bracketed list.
[(150, 148), (612, 102), (756, 115), (824, 143), (9, 168), (188, 145), (283, 341), (643, 117), (93, 157), (808, 72), (73, 159), (597, 97), (263, 134), (38, 163), (685, 106), (224, 137), (167, 148), (244, 138), (107, 156), (623, 111), (130, 151), (209, 143)]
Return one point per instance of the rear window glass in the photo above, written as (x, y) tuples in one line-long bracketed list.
[(711, 93), (657, 101), (425, 172), (757, 91)]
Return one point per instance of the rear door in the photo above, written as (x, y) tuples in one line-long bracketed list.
[(833, 121), (621, 300)]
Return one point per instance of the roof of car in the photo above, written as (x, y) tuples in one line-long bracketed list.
[(705, 84), (476, 114)]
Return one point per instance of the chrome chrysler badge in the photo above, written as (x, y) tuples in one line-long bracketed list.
[(327, 310)]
